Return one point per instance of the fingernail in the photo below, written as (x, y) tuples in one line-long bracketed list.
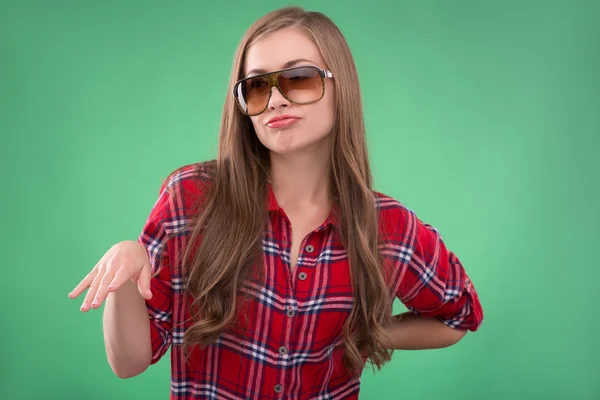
[(95, 302), (84, 306), (111, 287)]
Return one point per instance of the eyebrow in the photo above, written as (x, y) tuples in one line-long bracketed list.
[(288, 64)]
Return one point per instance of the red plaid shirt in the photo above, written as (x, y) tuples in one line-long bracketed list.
[(289, 347)]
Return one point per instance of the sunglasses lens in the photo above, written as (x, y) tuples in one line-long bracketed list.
[(299, 85), (253, 94)]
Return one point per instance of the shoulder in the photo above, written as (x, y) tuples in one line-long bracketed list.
[(389, 207), (397, 222), (181, 194), (395, 218), (188, 183), (190, 175)]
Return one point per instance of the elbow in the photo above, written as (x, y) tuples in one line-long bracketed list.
[(456, 335), (127, 374), (126, 369)]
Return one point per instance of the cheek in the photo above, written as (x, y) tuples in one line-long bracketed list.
[(257, 127), (329, 105), (324, 116)]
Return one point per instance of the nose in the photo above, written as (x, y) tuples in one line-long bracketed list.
[(277, 100)]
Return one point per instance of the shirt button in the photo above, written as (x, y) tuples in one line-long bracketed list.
[(290, 312), (309, 249), (302, 276), (278, 388), (283, 351)]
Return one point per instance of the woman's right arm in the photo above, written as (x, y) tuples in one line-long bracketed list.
[(122, 279)]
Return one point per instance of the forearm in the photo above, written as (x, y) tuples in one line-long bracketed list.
[(412, 332), (127, 331)]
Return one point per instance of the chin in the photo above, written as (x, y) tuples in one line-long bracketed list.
[(281, 142), (280, 150), (285, 141)]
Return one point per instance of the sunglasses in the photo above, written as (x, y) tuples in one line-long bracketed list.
[(299, 85)]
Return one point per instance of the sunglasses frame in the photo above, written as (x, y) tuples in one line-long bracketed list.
[(272, 79)]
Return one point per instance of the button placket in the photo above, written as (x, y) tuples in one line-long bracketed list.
[(282, 351)]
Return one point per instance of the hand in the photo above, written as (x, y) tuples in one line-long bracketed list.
[(123, 261)]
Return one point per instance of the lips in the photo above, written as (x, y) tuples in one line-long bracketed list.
[(282, 121)]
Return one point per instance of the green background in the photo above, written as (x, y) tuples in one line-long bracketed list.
[(483, 117)]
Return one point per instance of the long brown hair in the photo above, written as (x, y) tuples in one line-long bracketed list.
[(230, 223)]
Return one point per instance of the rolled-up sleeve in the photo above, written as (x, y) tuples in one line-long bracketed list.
[(154, 238), (435, 283)]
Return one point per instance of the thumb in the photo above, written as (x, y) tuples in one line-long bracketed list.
[(143, 282)]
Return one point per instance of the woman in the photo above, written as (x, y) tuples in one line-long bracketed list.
[(271, 271)]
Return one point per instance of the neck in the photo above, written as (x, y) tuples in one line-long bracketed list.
[(301, 180)]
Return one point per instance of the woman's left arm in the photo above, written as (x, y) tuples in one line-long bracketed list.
[(442, 301)]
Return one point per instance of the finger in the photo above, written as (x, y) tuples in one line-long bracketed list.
[(102, 291), (91, 294), (84, 284), (143, 282), (85, 306), (119, 279)]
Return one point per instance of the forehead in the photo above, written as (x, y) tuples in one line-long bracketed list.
[(274, 51)]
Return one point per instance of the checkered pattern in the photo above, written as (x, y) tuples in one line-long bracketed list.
[(285, 345)]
